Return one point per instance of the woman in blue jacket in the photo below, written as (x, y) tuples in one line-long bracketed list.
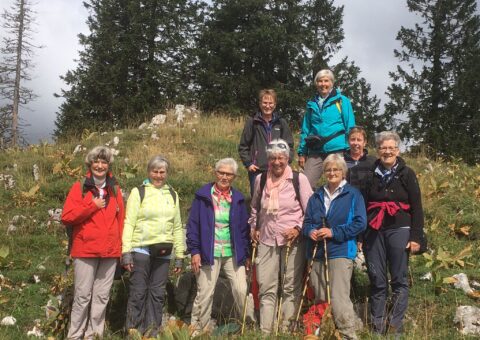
[(343, 208), (218, 238), (328, 119)]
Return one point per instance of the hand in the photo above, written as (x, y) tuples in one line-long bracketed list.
[(291, 234), (414, 247), (314, 235), (248, 265), (99, 202), (324, 233), (253, 168), (301, 161), (255, 235), (177, 270), (128, 267), (360, 246), (196, 263)]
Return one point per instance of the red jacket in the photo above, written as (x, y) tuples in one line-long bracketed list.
[(96, 232)]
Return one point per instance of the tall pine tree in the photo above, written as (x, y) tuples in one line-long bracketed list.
[(432, 96), (136, 59)]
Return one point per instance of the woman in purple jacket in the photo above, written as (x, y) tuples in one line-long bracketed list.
[(218, 238)]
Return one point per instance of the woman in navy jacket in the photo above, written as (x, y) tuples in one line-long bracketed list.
[(343, 207), (218, 238)]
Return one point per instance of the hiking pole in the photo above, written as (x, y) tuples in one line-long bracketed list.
[(289, 245), (309, 270), (249, 286), (327, 277)]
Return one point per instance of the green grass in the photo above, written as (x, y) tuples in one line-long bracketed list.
[(450, 196)]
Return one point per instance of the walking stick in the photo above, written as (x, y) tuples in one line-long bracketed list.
[(307, 279), (289, 244), (309, 270), (327, 277), (249, 286)]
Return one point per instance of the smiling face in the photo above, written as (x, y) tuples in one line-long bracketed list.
[(278, 163), (99, 168), (267, 106), (324, 86), (225, 177), (158, 176), (334, 174), (357, 144), (388, 152)]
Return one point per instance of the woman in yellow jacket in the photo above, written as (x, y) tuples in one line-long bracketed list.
[(152, 230)]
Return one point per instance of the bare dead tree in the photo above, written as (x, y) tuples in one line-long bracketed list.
[(17, 50)]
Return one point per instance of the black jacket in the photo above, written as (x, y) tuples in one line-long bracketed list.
[(255, 138), (359, 171), (402, 188)]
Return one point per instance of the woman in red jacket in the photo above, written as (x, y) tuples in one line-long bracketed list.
[(94, 208)]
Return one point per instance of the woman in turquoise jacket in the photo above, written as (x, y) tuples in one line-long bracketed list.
[(328, 119), (152, 232)]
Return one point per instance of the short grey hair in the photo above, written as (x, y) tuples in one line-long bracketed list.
[(227, 162), (157, 162), (338, 160), (387, 135), (277, 146), (99, 152), (324, 73)]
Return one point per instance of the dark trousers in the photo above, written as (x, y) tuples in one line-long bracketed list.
[(251, 177), (386, 249), (147, 293)]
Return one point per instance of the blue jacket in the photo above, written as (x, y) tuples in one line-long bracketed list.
[(325, 121), (201, 226), (346, 217)]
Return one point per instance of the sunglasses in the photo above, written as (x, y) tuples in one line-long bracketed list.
[(282, 146)]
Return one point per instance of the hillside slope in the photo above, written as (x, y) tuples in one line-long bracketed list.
[(32, 243)]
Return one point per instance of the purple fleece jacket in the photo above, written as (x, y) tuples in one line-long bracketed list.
[(201, 226)]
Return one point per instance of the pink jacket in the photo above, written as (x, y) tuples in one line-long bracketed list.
[(289, 215)]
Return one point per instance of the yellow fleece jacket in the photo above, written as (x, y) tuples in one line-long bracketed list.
[(154, 220)]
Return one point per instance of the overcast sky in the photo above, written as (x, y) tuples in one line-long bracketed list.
[(370, 30)]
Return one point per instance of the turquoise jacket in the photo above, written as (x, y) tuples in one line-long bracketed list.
[(336, 114)]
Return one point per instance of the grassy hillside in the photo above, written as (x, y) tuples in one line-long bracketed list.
[(450, 191)]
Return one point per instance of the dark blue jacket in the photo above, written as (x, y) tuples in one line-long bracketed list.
[(201, 226), (346, 217)]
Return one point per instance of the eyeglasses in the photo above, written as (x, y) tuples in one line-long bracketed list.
[(332, 170), (282, 146), (388, 148), (226, 174)]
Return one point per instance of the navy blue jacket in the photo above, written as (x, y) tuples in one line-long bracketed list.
[(346, 217), (201, 226)]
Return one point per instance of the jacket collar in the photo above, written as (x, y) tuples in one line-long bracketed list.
[(348, 157), (205, 193), (334, 95)]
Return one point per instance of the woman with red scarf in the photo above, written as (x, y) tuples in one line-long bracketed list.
[(395, 230), (95, 211)]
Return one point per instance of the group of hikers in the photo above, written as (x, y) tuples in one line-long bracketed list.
[(294, 227)]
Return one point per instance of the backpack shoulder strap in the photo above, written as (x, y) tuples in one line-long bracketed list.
[(296, 186), (173, 193), (263, 182), (141, 192)]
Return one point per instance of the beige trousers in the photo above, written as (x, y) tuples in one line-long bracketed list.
[(340, 274), (93, 280), (206, 281), (270, 263)]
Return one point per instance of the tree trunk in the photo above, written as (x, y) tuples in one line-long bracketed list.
[(16, 90)]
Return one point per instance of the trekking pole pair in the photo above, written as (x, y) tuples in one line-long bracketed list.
[(309, 270)]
